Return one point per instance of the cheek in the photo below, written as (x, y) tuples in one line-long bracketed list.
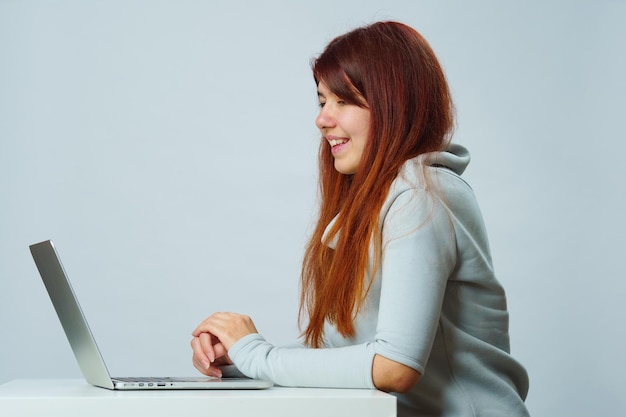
[(364, 129), (364, 121)]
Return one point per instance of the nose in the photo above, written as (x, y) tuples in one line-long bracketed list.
[(325, 118)]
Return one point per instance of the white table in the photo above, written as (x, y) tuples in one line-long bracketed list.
[(68, 398)]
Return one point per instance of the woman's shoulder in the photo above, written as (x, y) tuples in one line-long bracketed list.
[(431, 180)]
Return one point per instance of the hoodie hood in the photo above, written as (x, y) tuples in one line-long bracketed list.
[(456, 159)]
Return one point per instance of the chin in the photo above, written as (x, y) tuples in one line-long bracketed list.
[(345, 169)]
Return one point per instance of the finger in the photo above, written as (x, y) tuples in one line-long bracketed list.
[(206, 343), (220, 351), (200, 367), (200, 362), (215, 372), (200, 359), (210, 371)]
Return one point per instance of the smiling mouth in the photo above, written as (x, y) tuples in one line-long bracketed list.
[(335, 142)]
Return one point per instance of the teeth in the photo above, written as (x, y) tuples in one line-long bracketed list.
[(335, 142)]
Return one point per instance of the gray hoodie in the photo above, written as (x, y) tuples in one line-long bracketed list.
[(434, 305)]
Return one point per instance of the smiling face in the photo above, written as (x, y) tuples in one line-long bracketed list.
[(345, 126)]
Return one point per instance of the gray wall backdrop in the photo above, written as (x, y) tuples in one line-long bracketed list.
[(168, 147)]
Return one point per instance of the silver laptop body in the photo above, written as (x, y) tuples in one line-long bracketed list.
[(84, 345)]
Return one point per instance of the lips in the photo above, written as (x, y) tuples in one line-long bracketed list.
[(338, 147), (337, 143)]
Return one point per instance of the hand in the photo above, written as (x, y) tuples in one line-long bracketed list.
[(214, 337), (208, 355)]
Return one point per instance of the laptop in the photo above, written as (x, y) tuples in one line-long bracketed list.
[(84, 345)]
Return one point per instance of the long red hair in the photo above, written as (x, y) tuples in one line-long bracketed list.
[(394, 69)]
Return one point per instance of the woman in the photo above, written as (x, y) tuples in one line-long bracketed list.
[(398, 289)]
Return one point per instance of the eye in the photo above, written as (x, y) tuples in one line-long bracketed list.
[(321, 104)]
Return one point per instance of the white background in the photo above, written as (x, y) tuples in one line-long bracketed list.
[(169, 149)]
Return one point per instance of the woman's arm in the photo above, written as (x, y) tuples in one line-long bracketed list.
[(228, 328), (391, 376)]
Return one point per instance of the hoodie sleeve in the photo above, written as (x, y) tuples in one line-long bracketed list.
[(344, 367)]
